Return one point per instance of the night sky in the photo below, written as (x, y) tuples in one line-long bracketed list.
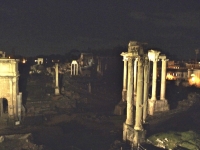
[(33, 27)]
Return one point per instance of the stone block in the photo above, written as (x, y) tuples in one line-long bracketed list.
[(161, 105)]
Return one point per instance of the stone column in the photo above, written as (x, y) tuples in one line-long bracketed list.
[(139, 97), (11, 103), (74, 69), (146, 87), (56, 75), (124, 91), (153, 56), (19, 105), (129, 117), (135, 76), (77, 68), (163, 77)]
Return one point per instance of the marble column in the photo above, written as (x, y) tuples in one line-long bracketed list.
[(56, 74), (124, 91), (163, 77), (154, 80), (146, 87), (129, 117), (135, 75), (153, 56), (139, 97)]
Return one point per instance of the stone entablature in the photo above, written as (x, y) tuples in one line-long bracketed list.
[(9, 67)]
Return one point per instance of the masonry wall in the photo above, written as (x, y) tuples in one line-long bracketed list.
[(9, 85)]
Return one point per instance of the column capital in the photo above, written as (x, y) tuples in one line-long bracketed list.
[(163, 58), (129, 55), (153, 55), (125, 58)]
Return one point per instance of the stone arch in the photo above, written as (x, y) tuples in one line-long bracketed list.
[(5, 105)]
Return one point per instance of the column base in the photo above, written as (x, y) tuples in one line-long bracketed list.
[(161, 105), (157, 106), (120, 108), (133, 136), (57, 92)]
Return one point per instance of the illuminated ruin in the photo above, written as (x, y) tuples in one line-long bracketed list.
[(11, 98), (135, 90)]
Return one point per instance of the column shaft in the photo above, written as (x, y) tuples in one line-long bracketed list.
[(153, 96), (139, 97), (129, 117), (124, 80), (57, 85), (146, 88), (56, 68), (163, 80), (135, 76)]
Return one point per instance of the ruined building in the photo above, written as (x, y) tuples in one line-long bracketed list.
[(135, 90), (11, 98)]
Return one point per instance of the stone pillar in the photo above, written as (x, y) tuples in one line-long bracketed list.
[(163, 77), (154, 80), (146, 87), (56, 74), (124, 91), (139, 97), (135, 76), (153, 56), (11, 102), (129, 117), (19, 106)]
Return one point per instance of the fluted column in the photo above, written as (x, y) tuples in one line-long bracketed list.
[(56, 74), (163, 77), (129, 117), (154, 79), (146, 87), (124, 91), (135, 76), (139, 97)]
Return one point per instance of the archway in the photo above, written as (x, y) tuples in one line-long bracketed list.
[(5, 105)]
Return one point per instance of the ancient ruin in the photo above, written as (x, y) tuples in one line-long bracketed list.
[(74, 68), (135, 90), (57, 90), (11, 98)]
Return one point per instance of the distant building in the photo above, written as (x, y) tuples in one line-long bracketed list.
[(40, 61)]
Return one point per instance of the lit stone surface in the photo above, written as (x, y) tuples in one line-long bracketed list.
[(9, 90)]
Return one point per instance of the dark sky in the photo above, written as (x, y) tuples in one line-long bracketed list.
[(32, 27)]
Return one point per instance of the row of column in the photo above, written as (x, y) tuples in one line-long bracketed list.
[(154, 78)]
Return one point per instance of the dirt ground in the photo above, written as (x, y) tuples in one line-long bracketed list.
[(77, 119)]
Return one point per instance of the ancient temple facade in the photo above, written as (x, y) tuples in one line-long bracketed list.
[(10, 97)]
